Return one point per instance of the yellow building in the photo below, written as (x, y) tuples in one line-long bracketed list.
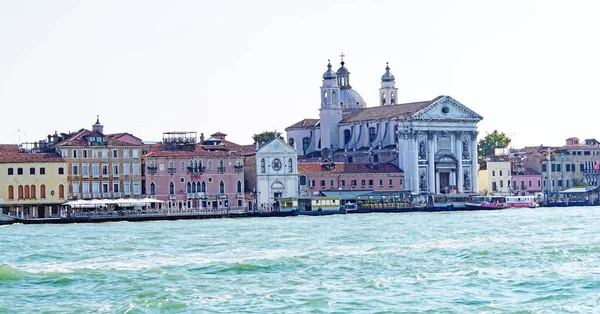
[(495, 177), (102, 166), (32, 184)]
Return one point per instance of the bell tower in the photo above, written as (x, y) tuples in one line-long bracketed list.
[(388, 93), (331, 111)]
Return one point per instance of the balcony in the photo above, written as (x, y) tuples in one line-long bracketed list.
[(105, 175), (115, 175), (221, 169), (172, 196), (95, 176), (106, 195), (239, 169), (172, 170), (222, 196), (240, 195), (86, 196), (117, 194), (97, 195), (196, 170), (151, 169)]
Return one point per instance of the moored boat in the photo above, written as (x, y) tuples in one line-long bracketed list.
[(521, 201), (486, 202)]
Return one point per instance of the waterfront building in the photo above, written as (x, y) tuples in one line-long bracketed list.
[(526, 181), (495, 176), (187, 174), (102, 165), (32, 183), (574, 164), (276, 173), (434, 142), (315, 177)]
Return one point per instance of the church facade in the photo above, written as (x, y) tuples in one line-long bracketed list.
[(434, 142)]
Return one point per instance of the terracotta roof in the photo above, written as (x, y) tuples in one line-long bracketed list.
[(528, 172), (79, 139), (304, 123), (9, 148), (346, 168), (29, 157), (386, 112), (218, 134)]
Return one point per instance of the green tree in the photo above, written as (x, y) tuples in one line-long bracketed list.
[(579, 181), (490, 142), (265, 136)]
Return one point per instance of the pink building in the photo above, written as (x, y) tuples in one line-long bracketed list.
[(526, 181), (190, 175), (315, 177)]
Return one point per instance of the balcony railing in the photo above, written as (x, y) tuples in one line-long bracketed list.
[(117, 194), (86, 195), (152, 169), (240, 195), (221, 169), (106, 195), (97, 195), (172, 196), (196, 170), (172, 170), (239, 169)]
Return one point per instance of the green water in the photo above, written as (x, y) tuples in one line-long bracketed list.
[(512, 261)]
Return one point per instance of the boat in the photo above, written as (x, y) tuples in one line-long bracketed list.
[(441, 202), (521, 201), (486, 202), (312, 206)]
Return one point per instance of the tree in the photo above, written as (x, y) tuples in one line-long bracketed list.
[(490, 142), (265, 136)]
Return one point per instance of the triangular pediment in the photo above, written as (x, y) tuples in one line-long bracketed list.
[(447, 109), (277, 145)]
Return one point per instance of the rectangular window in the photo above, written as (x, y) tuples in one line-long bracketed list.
[(494, 188), (75, 187), (85, 153), (136, 188), (74, 153), (529, 183), (558, 167), (362, 182), (391, 182), (94, 153), (522, 185), (322, 182), (136, 169), (381, 182), (353, 182), (75, 170), (85, 169), (127, 188), (544, 167), (568, 168), (115, 187), (508, 183), (104, 187), (343, 182), (567, 183), (115, 153), (515, 183), (370, 182), (553, 167), (401, 182), (560, 182), (586, 153), (331, 183), (135, 153), (104, 169), (31, 170), (85, 188), (312, 182), (104, 153), (126, 153), (126, 169), (95, 187), (95, 172), (115, 169), (64, 154), (581, 168), (42, 170), (501, 183), (500, 172)]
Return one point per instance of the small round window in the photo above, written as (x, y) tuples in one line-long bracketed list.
[(445, 110), (276, 164)]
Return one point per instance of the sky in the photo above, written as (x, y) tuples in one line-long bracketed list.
[(530, 68)]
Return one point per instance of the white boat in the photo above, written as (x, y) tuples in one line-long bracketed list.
[(521, 201)]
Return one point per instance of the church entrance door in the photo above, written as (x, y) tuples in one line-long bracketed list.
[(444, 182)]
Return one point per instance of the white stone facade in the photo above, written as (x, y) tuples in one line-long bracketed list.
[(276, 173)]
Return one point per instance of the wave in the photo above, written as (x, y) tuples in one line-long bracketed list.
[(8, 272)]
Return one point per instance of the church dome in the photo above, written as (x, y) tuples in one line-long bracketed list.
[(329, 74), (387, 76), (343, 69), (351, 100)]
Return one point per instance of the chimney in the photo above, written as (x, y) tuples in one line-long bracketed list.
[(201, 138)]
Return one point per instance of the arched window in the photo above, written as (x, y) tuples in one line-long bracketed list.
[(27, 192), (194, 187), (262, 165), (290, 165), (152, 188), (61, 191), (305, 143), (203, 187), (200, 165), (171, 188), (291, 141), (32, 170), (189, 187), (372, 134), (42, 191), (347, 136), (11, 192), (182, 165), (393, 100), (33, 192), (383, 98), (209, 164), (11, 171), (221, 187), (239, 187), (42, 170), (302, 180), (20, 192), (221, 163), (319, 145), (61, 170)]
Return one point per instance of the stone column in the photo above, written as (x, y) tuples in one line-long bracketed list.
[(459, 169), (474, 166), (414, 163), (431, 163)]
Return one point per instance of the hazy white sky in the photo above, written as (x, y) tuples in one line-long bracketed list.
[(530, 68)]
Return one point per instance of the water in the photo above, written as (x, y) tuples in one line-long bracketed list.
[(512, 261)]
